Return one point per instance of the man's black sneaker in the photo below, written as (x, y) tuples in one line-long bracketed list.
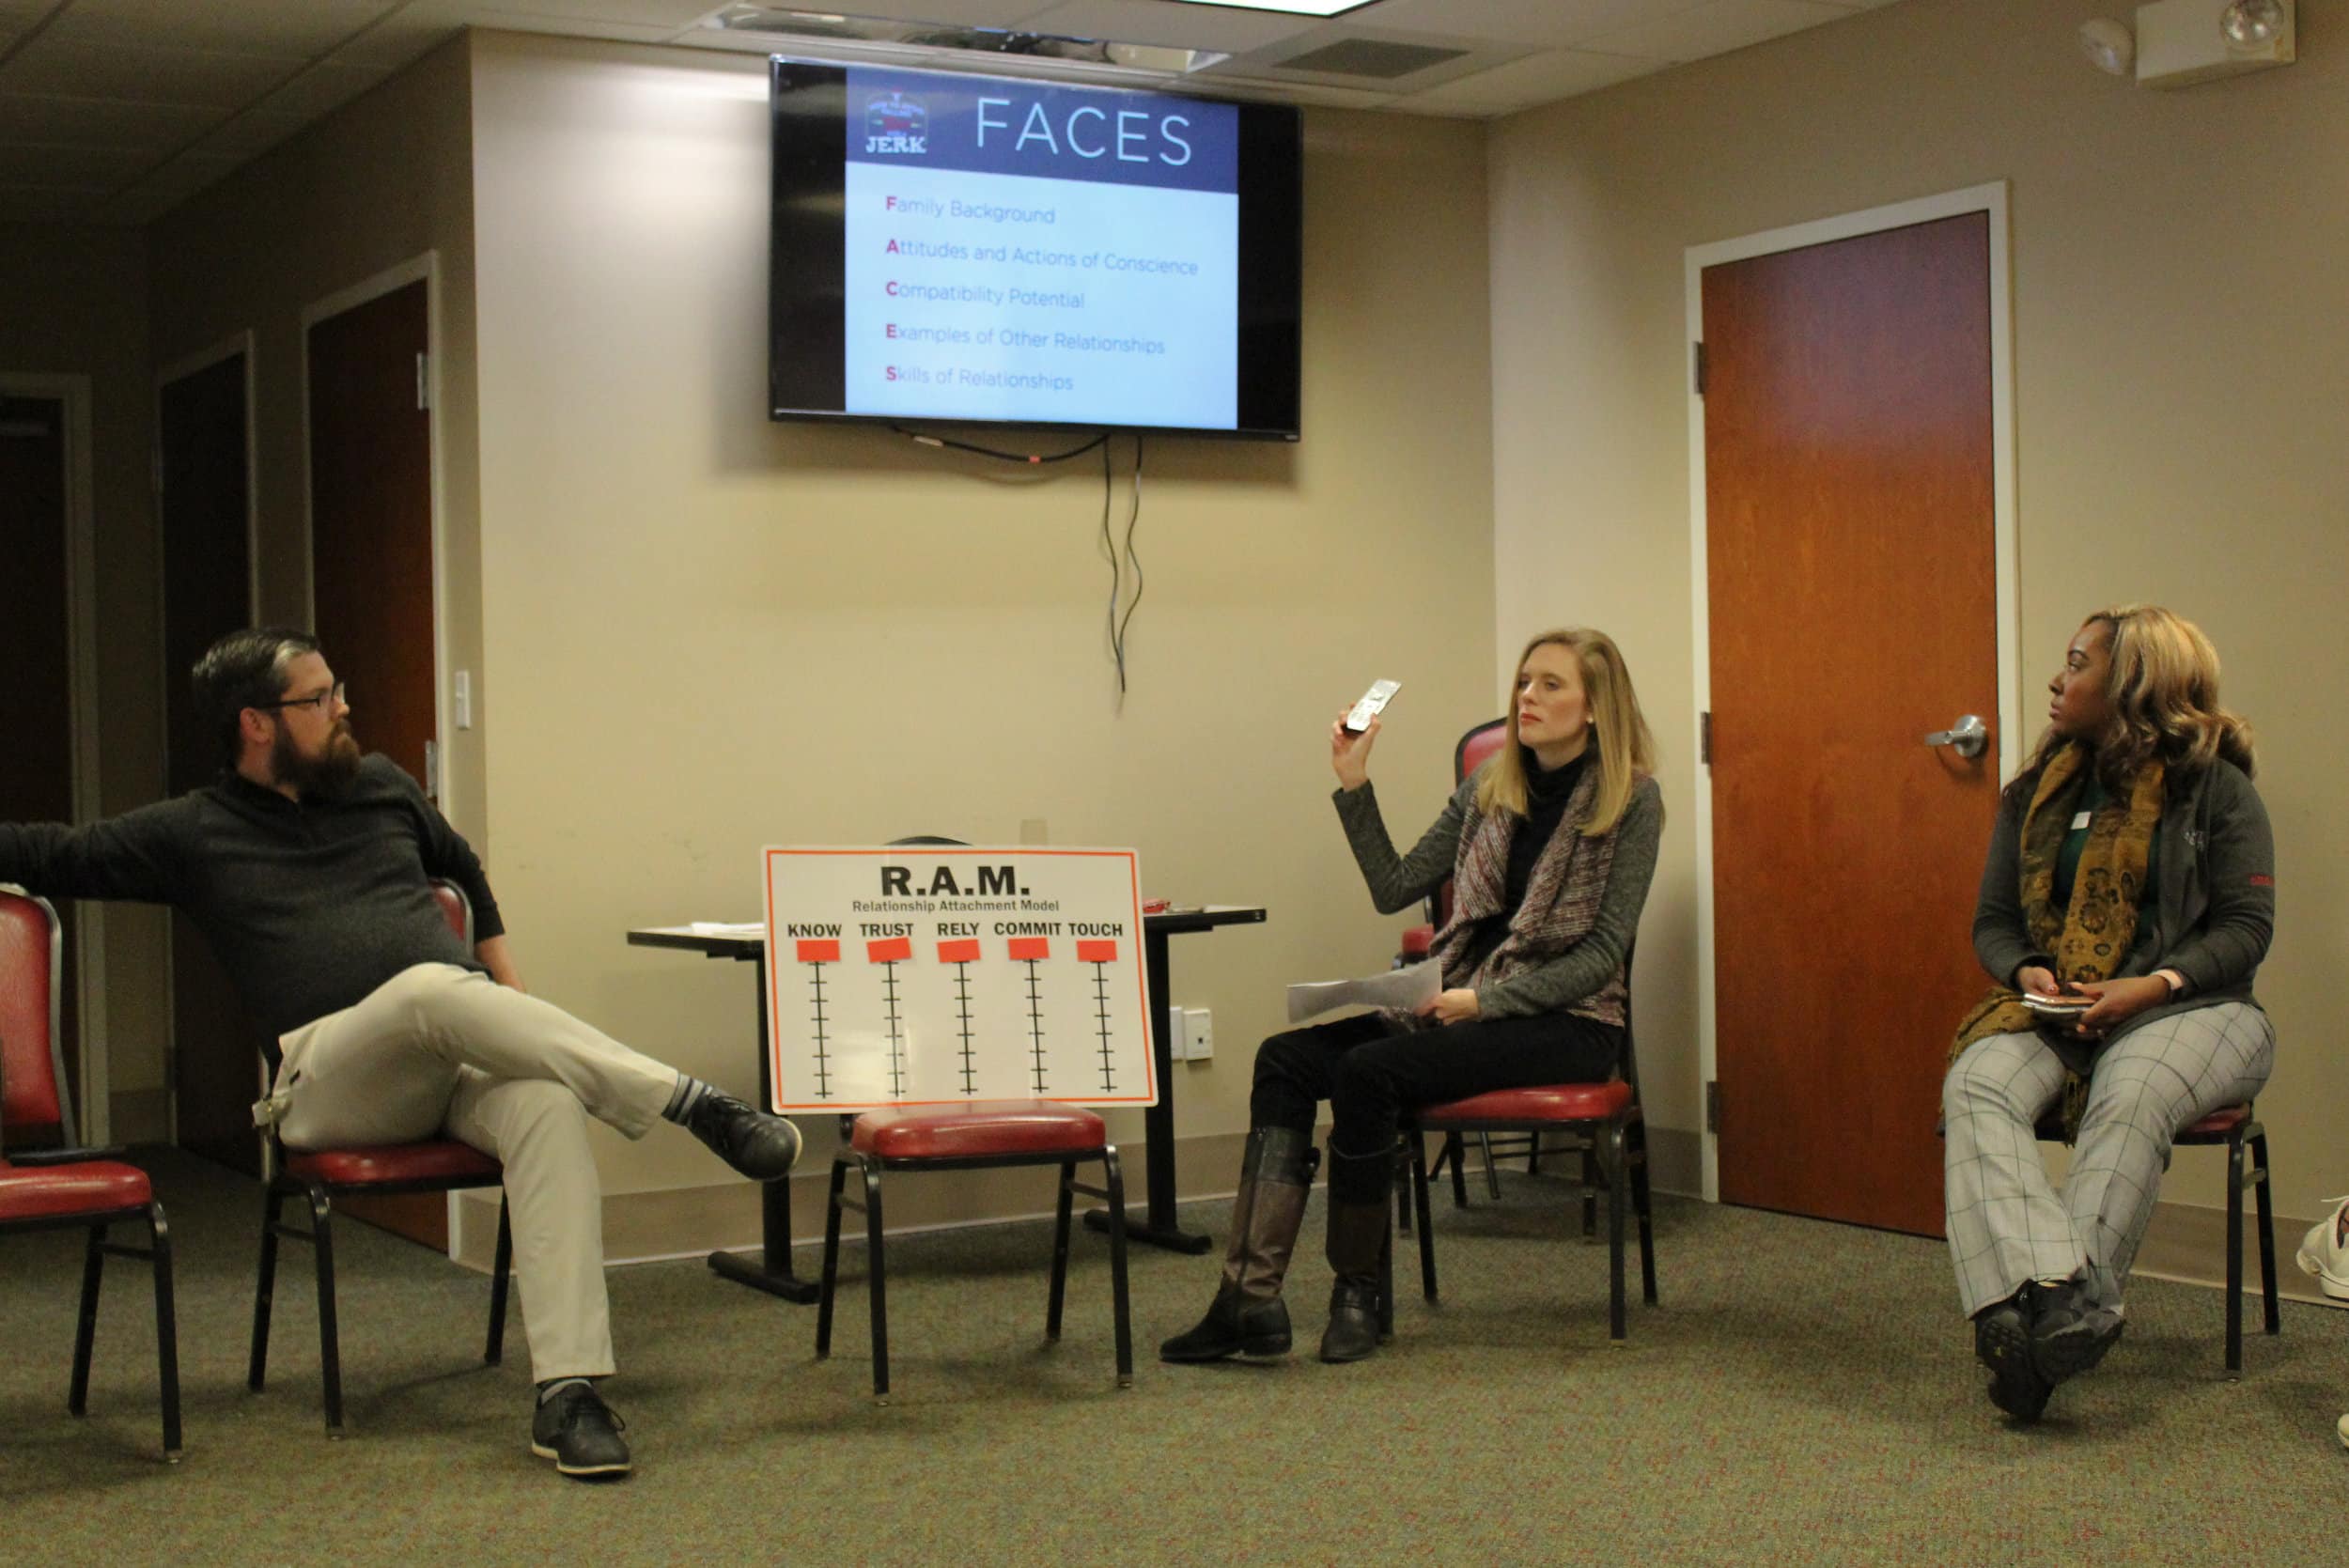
[(761, 1146), (579, 1433), (2002, 1343), (2069, 1332)]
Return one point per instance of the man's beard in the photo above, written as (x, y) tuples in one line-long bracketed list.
[(328, 776)]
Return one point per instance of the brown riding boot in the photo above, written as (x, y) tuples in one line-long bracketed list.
[(1358, 1240), (1248, 1316)]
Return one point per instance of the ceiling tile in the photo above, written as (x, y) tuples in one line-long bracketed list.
[(251, 133), (1552, 22), (103, 122), (73, 167), (665, 15), (148, 74), (1535, 80), (306, 27), (1224, 28), (327, 85), (959, 13), (18, 16), (404, 35), (569, 26), (21, 204), (1717, 28)]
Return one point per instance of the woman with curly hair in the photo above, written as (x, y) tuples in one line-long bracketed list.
[(2131, 869)]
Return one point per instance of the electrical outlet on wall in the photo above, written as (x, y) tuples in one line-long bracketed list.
[(1198, 1034), (1177, 1044)]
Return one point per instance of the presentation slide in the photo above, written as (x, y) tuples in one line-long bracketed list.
[(1019, 250)]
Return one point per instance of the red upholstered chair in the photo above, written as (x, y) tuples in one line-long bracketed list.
[(2237, 1129), (318, 1176), (1602, 1119), (967, 1138), (61, 1187)]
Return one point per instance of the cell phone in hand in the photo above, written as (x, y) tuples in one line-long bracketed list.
[(1358, 718)]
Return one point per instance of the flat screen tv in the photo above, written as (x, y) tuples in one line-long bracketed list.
[(967, 249)]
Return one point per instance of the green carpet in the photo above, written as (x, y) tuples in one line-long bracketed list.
[(1805, 1393)]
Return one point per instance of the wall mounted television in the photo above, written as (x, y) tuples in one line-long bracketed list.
[(956, 248)]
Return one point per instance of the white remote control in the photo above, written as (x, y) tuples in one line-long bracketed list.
[(1381, 691)]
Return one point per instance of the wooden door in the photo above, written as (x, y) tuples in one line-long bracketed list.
[(1851, 582), (371, 519), (36, 699), (201, 437), (371, 566)]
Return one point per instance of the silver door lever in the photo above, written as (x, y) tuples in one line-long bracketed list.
[(1966, 737)]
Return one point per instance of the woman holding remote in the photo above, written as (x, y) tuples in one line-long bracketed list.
[(2131, 870), (1549, 848)]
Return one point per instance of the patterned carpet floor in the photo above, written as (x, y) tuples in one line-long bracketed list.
[(1804, 1393)]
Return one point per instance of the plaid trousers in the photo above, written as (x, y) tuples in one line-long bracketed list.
[(2007, 1221)]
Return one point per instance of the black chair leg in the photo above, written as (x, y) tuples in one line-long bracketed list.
[(1642, 1209), (1590, 1195), (501, 1280), (86, 1328), (1615, 1161), (832, 1256), (264, 1289), (1403, 1188), (2264, 1196), (877, 1286), (166, 1332), (2235, 1257), (1386, 1284), (1492, 1167), (1456, 1150), (330, 1342), (1426, 1229), (1060, 1248), (1120, 1304)]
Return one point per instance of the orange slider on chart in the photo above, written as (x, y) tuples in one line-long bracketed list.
[(1097, 953), (819, 951), (1031, 947), (966, 951), (893, 950)]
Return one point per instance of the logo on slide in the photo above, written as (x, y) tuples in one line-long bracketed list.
[(896, 125)]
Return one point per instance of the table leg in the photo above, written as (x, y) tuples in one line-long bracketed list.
[(769, 1268), (1156, 1226)]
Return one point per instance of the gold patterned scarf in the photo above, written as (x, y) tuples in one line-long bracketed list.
[(2091, 936)]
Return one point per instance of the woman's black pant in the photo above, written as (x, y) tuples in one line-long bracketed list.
[(1371, 1076)]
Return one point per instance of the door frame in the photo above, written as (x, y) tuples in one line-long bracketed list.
[(80, 589), (427, 268), (179, 369), (1990, 199)]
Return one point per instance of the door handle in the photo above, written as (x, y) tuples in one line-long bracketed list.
[(1966, 737)]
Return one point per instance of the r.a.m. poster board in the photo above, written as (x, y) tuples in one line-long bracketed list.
[(935, 974)]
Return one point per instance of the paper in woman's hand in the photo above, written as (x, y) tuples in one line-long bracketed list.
[(1408, 989)]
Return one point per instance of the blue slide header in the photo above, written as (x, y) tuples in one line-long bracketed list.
[(995, 125)]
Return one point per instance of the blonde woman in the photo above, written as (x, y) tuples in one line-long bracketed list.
[(1550, 846), (2131, 865)]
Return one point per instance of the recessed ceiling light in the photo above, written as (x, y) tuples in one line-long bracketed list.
[(1288, 8)]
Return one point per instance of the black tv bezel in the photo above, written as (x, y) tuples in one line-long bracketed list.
[(806, 177)]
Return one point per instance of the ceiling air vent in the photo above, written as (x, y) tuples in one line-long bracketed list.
[(1372, 58)]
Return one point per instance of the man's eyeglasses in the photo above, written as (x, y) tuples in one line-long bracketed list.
[(324, 702)]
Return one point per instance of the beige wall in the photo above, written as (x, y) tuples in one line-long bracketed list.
[(2180, 392), (709, 632), (74, 301), (379, 185)]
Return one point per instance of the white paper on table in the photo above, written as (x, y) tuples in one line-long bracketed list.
[(743, 932), (1406, 988)]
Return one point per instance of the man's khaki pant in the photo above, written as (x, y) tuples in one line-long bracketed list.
[(438, 1050)]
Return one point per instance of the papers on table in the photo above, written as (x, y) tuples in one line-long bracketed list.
[(1406, 988), (745, 931)]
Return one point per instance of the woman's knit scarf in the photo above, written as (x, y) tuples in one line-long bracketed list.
[(2091, 936), (1561, 903)]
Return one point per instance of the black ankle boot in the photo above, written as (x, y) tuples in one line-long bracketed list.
[(1234, 1326)]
